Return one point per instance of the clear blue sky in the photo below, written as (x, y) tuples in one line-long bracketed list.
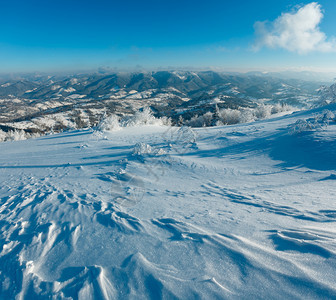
[(38, 35)]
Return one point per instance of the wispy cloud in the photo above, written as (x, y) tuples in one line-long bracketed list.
[(296, 31)]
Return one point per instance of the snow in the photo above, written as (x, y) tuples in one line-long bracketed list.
[(240, 212), (6, 84), (140, 95), (233, 90), (55, 87), (30, 91), (76, 96), (74, 81), (69, 90), (179, 75)]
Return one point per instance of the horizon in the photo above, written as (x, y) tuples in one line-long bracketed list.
[(305, 75), (217, 35)]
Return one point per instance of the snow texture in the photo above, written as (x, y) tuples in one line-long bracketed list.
[(244, 211)]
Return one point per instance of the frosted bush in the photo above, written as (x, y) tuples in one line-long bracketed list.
[(194, 122), (185, 137), (247, 116), (234, 116), (327, 95), (2, 135), (229, 116), (142, 149), (263, 111), (34, 135), (199, 121), (319, 121), (325, 117), (207, 119), (300, 125), (111, 123), (165, 121), (17, 135), (279, 108), (144, 117)]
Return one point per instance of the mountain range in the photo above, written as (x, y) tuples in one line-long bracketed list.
[(44, 103)]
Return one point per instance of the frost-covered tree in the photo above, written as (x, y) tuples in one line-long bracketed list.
[(327, 95)]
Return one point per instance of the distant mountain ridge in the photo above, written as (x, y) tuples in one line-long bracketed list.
[(93, 85), (81, 100)]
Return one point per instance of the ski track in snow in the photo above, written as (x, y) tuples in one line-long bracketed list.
[(211, 213)]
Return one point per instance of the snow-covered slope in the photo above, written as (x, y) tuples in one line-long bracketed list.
[(243, 212)]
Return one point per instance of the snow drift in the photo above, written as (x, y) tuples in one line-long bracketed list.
[(156, 212)]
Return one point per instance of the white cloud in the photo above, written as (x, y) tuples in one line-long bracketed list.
[(295, 31)]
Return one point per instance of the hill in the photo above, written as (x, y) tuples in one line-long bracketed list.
[(40, 104), (244, 211)]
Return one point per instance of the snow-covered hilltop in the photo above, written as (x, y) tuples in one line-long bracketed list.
[(244, 211)]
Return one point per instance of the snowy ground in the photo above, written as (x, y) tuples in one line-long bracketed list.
[(239, 212)]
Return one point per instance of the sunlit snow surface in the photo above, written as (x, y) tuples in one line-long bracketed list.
[(237, 212)]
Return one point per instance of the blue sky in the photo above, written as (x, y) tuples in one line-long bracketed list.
[(58, 35)]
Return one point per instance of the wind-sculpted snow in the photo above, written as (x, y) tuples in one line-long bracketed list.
[(157, 212)]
